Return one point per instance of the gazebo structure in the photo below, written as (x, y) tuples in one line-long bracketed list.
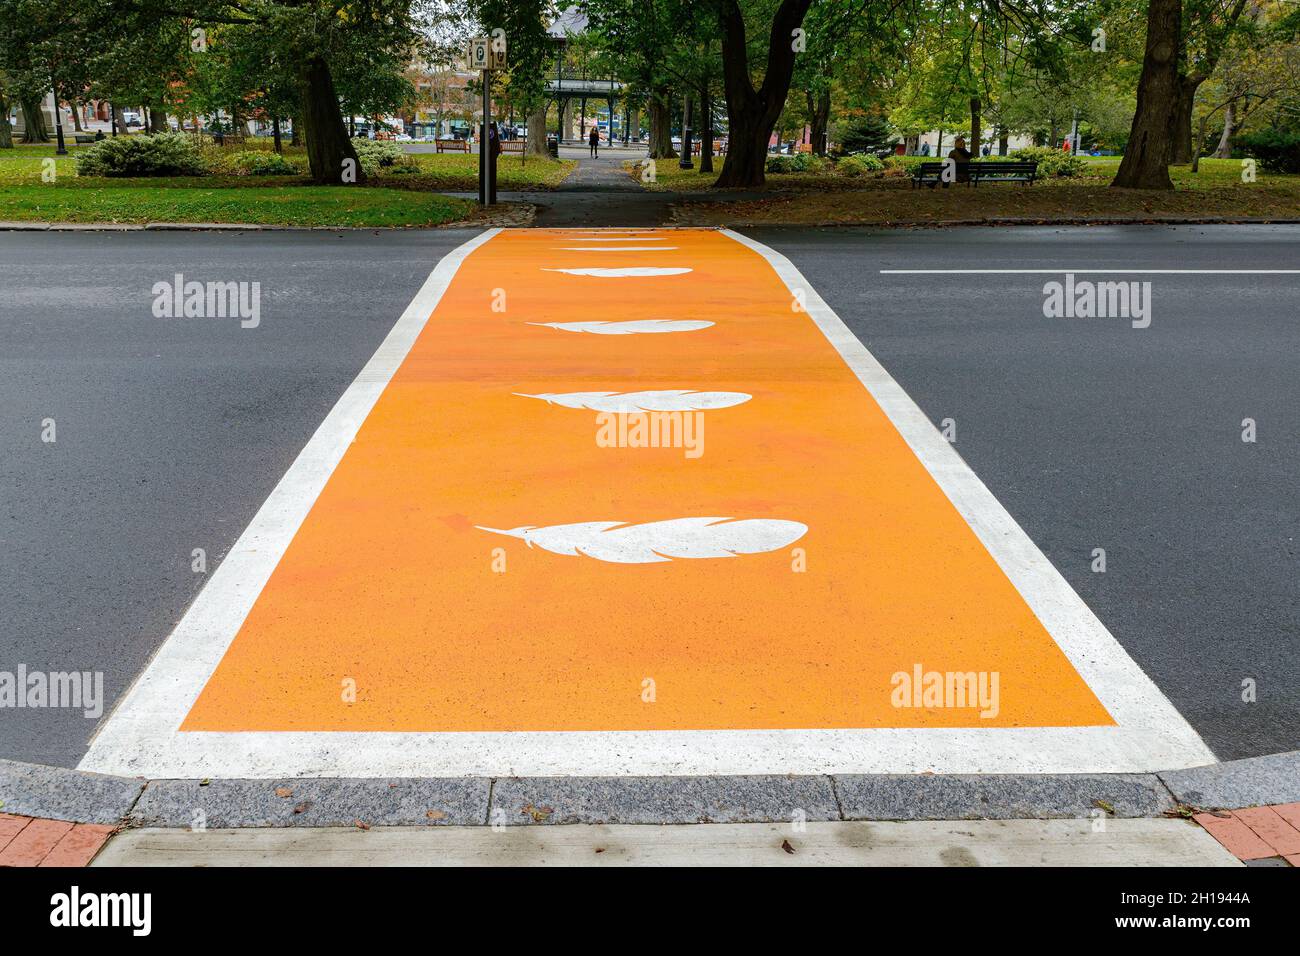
[(565, 88)]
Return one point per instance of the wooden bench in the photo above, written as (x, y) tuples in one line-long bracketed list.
[(512, 145), (83, 137), (931, 174), (451, 145)]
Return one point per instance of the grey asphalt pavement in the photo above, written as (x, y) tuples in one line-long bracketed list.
[(1094, 434), (170, 433)]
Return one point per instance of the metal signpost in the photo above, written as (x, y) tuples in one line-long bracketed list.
[(487, 54)]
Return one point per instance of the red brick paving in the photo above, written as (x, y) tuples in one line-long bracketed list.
[(28, 841), (78, 846), (1290, 812), (1257, 833), (1272, 829)]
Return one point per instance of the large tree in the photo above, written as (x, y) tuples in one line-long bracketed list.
[(1146, 159), (752, 111)]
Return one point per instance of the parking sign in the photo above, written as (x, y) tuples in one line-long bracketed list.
[(487, 53)]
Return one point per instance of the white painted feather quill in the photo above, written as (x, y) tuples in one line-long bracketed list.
[(629, 272), (656, 541), (630, 327), (630, 403)]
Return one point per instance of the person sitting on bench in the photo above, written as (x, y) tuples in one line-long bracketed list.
[(962, 155)]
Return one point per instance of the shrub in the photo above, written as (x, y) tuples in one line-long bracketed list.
[(1051, 162), (1276, 151), (256, 162), (859, 165), (374, 154), (166, 154), (781, 163)]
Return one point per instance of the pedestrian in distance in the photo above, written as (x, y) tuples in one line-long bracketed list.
[(593, 140)]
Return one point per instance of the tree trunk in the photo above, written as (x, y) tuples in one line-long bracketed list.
[(275, 135), (976, 130), (661, 126), (295, 138), (819, 114), (1180, 152), (752, 114), (76, 117), (34, 130), (536, 145), (1224, 149), (328, 148), (1003, 140), (706, 131), (1146, 158), (6, 128), (157, 118)]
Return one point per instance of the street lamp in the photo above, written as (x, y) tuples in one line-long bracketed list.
[(61, 150), (686, 162)]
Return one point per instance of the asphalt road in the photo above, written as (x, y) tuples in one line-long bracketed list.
[(170, 433), (1094, 434)]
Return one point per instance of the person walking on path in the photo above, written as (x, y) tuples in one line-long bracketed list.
[(593, 140)]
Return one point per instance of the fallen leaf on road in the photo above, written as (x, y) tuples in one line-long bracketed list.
[(361, 824), (785, 845), (302, 807), (436, 815), (283, 792)]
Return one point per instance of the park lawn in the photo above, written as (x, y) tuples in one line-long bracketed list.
[(271, 200), (458, 172), (1216, 191), (139, 201)]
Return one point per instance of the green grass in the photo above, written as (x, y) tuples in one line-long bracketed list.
[(387, 200), (132, 201), (458, 171)]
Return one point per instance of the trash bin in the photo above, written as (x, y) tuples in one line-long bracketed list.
[(553, 146)]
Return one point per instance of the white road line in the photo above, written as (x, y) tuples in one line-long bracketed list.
[(140, 737), (1151, 734), (1053, 272)]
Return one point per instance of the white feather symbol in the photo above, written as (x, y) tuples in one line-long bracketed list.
[(633, 271), (630, 327), (655, 541), (630, 403)]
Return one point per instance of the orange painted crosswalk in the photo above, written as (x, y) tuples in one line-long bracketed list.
[(482, 559)]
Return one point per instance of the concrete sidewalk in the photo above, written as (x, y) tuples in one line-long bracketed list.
[(971, 843)]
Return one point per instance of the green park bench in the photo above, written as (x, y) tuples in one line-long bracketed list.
[(995, 171)]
